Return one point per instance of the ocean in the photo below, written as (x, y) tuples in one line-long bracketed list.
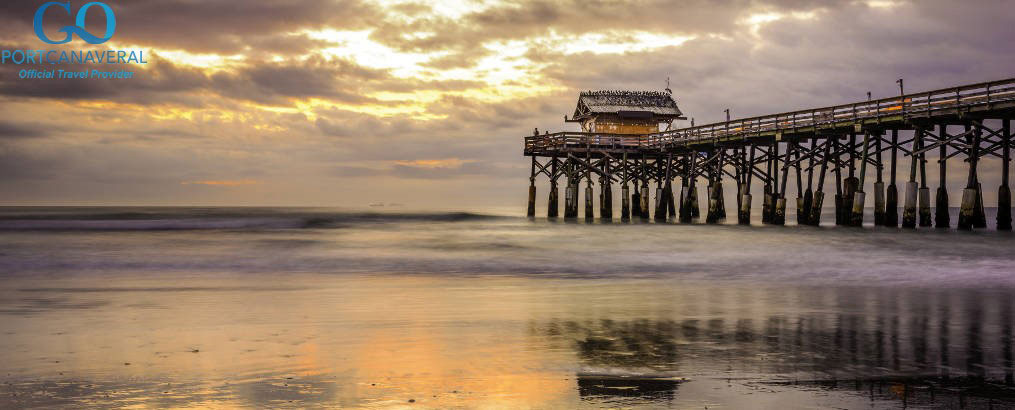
[(400, 308)]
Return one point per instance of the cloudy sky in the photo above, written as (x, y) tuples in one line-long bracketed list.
[(332, 102)]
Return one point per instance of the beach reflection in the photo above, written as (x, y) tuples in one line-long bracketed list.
[(307, 340)]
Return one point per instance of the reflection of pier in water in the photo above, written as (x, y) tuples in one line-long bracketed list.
[(933, 345)]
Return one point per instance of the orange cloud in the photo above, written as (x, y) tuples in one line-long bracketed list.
[(226, 183), (450, 163)]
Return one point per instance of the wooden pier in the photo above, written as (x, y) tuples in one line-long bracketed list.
[(828, 148)]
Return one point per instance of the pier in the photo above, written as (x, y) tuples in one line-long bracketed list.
[(827, 149)]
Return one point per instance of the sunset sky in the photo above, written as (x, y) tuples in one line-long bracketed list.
[(328, 102)]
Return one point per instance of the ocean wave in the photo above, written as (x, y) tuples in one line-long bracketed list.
[(217, 220)]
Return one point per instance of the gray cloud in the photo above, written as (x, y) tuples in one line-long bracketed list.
[(846, 50)]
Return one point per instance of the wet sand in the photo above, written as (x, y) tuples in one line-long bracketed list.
[(493, 342), (467, 313)]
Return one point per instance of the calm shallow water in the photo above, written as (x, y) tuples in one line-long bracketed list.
[(121, 307)]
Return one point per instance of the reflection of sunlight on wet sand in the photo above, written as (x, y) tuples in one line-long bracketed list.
[(379, 341), (434, 356), (420, 367)]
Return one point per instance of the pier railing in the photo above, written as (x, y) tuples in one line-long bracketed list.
[(928, 104)]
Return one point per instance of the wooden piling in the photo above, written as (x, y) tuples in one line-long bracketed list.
[(551, 204), (589, 213), (685, 197), (838, 183), (660, 204), (744, 213), (924, 193), (625, 194), (717, 186), (801, 215), (713, 191), (668, 190), (692, 198), (636, 202), (942, 218), (909, 209), (606, 192), (766, 200), (1003, 192), (531, 209), (605, 199), (779, 216), (970, 195), (804, 217), (879, 184), (859, 197), (892, 193), (571, 201), (644, 203), (851, 185), (980, 218), (819, 195)]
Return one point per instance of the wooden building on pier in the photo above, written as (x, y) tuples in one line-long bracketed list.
[(625, 112)]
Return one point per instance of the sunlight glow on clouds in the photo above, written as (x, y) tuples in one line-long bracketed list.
[(315, 93), (357, 46), (223, 183)]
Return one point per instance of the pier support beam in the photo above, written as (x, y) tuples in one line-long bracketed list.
[(714, 190), (1003, 192), (801, 215), (606, 192), (571, 201), (980, 217), (779, 216), (924, 197), (856, 217), (744, 213), (892, 194), (551, 204), (552, 207), (531, 211), (685, 204), (636, 202), (721, 209), (660, 204), (839, 199), (942, 219), (625, 194), (670, 205), (643, 210), (693, 200), (879, 185), (589, 214), (664, 195), (767, 203), (851, 185), (819, 195), (605, 199), (625, 203), (687, 187), (970, 195), (643, 202), (909, 210), (804, 213), (714, 200)]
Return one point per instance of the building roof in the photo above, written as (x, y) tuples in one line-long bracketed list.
[(659, 104)]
